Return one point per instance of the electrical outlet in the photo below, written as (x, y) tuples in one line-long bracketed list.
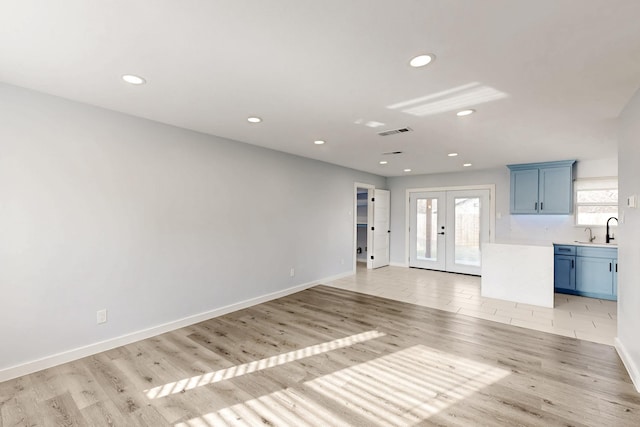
[(292, 272), (101, 316)]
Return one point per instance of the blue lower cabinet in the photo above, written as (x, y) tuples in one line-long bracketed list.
[(595, 276), (564, 272), (586, 271)]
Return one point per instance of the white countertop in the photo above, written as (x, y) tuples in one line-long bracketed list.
[(547, 243), (593, 245)]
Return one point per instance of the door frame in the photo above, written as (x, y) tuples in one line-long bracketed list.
[(407, 210), (369, 187)]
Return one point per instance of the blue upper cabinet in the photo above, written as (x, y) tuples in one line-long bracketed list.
[(524, 191), (542, 188)]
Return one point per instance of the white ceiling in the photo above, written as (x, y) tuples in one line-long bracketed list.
[(322, 69)]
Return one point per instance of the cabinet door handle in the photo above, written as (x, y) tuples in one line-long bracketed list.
[(541, 204), (616, 267), (536, 208), (564, 250), (571, 263), (609, 266)]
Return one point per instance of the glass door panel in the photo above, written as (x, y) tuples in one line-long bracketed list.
[(468, 227), (467, 231), (426, 229), (427, 243)]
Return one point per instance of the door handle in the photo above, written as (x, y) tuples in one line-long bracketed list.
[(541, 204), (441, 233), (571, 263), (609, 266), (536, 208)]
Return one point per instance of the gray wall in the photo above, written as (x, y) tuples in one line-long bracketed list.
[(629, 238), (541, 228), (154, 223)]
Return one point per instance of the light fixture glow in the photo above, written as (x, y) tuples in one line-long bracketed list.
[(133, 79), (466, 165), (254, 119), (407, 170), (452, 154), (383, 162), (319, 142), (421, 60), (465, 112)]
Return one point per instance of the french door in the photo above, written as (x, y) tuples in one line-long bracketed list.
[(447, 229)]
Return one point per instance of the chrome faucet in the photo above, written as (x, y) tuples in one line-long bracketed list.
[(591, 236), (608, 238)]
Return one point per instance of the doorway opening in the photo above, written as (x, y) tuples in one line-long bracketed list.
[(371, 226), (362, 224)]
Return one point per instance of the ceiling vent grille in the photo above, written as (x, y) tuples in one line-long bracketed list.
[(394, 131)]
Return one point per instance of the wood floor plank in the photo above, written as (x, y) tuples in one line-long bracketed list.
[(326, 356), (22, 409), (62, 411)]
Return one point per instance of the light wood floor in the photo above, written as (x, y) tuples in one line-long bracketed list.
[(589, 319), (331, 357)]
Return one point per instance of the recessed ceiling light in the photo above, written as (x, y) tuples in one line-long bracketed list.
[(383, 162), (452, 154), (254, 119), (319, 142), (466, 165), (407, 170), (465, 112), (421, 60), (133, 79)]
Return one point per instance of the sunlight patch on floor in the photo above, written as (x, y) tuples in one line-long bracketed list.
[(258, 365), (400, 389), (407, 386)]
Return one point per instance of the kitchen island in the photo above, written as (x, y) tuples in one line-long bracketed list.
[(518, 271)]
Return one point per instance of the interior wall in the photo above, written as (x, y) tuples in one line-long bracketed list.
[(537, 228), (629, 239), (152, 222)]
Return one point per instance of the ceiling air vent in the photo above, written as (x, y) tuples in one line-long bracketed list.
[(394, 131)]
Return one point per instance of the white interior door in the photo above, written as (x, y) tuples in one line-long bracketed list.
[(447, 230), (426, 232), (380, 229)]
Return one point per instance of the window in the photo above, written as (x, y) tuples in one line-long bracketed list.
[(596, 200)]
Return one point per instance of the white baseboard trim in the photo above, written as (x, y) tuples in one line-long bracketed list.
[(91, 349), (399, 264), (632, 368), (326, 280)]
